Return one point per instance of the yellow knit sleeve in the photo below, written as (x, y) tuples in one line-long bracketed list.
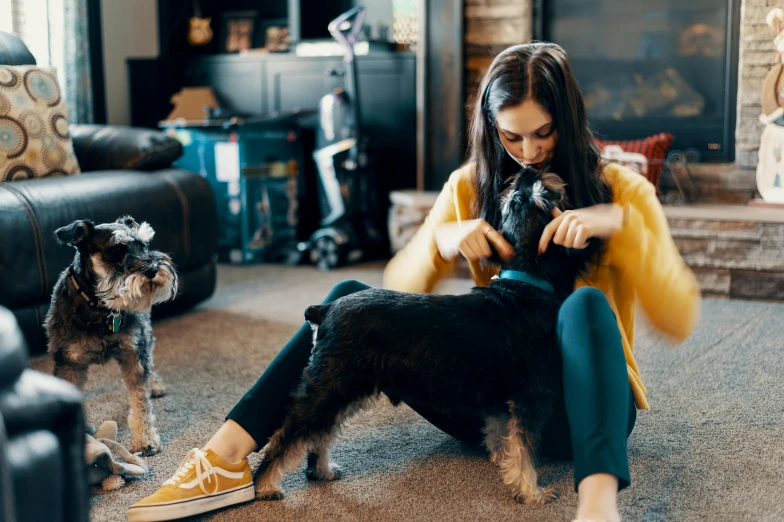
[(645, 254), (419, 266)]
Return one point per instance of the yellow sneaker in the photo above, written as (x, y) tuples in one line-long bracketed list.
[(203, 482)]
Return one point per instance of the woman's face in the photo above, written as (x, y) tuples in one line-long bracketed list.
[(527, 133)]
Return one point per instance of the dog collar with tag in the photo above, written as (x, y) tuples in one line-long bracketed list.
[(525, 277), (82, 291), (115, 318)]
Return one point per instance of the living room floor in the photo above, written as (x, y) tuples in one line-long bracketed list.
[(710, 448)]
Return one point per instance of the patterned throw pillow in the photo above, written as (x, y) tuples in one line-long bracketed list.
[(34, 138)]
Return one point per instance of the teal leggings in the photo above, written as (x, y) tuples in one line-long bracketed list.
[(590, 427)]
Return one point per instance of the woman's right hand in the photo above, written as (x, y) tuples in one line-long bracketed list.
[(473, 238)]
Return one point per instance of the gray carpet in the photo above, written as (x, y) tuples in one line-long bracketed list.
[(711, 447)]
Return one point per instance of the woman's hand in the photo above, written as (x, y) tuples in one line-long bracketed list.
[(573, 228), (472, 238)]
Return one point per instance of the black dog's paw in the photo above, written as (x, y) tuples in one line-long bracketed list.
[(275, 494), (334, 473), (337, 473)]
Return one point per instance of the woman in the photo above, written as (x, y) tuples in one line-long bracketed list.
[(529, 112)]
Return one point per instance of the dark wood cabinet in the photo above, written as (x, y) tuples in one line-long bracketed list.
[(298, 84), (152, 83), (238, 82), (265, 83)]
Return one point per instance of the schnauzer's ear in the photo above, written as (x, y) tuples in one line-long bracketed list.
[(145, 232), (75, 234), (128, 221)]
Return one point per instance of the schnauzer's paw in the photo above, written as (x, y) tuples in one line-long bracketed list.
[(148, 444), (539, 496), (269, 494), (157, 389), (334, 473), (148, 449)]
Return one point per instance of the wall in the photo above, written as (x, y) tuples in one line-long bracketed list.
[(130, 29), (378, 12), (757, 55)]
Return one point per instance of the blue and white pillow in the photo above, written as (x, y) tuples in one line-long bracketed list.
[(34, 138)]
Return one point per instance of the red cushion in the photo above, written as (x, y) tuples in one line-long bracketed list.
[(654, 148)]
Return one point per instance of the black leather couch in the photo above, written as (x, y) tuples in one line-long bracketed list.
[(42, 465), (125, 171)]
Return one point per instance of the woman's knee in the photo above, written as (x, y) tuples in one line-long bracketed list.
[(586, 306), (345, 288), (587, 326)]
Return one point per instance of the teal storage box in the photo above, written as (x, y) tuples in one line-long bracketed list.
[(254, 167)]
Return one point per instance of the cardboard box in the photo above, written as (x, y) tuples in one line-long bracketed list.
[(190, 105)]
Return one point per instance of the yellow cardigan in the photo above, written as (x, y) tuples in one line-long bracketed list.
[(641, 262)]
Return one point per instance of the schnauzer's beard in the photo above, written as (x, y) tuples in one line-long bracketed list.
[(133, 291)]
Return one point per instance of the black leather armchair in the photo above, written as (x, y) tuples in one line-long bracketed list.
[(42, 465), (125, 171)]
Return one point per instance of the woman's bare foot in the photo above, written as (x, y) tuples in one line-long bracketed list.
[(598, 497), (231, 442)]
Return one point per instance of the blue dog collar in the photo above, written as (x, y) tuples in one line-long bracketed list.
[(525, 277)]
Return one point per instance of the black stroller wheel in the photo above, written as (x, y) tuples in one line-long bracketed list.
[(327, 254)]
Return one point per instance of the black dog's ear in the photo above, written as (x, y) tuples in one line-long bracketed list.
[(128, 221), (557, 187), (76, 234)]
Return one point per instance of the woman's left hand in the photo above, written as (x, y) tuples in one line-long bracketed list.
[(573, 228)]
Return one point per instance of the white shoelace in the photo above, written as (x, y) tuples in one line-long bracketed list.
[(198, 459)]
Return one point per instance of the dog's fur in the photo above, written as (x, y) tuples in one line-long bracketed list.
[(115, 268), (491, 353)]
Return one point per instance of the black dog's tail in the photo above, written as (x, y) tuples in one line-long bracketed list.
[(314, 314)]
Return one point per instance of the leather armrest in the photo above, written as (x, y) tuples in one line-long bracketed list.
[(110, 147), (42, 471), (13, 350), (44, 408)]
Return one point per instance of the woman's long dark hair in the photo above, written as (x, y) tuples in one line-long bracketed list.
[(539, 71)]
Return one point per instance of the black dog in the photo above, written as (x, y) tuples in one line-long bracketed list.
[(101, 310), (491, 353)]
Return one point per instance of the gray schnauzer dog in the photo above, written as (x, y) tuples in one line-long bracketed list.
[(490, 354), (101, 310)]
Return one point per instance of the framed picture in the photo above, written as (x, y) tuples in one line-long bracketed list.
[(275, 35), (238, 31)]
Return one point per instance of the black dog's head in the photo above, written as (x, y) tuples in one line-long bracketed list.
[(116, 260), (526, 208)]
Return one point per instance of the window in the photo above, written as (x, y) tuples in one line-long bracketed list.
[(6, 20), (39, 23)]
